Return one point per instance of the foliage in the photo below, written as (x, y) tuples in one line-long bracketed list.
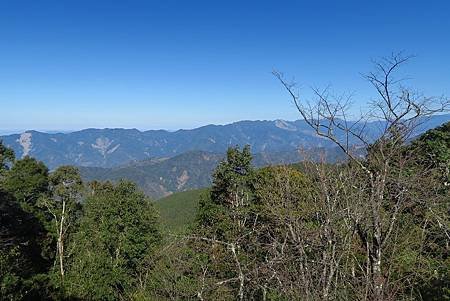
[(174, 273), (27, 180), (118, 230), (63, 209), (23, 263), (6, 158), (432, 149)]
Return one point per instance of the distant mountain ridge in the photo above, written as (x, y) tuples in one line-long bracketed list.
[(187, 171), (114, 147)]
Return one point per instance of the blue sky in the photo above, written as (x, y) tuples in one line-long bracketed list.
[(67, 65)]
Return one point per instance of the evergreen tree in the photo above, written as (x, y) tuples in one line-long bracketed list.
[(232, 177), (27, 180), (225, 220), (23, 264), (6, 158), (117, 234)]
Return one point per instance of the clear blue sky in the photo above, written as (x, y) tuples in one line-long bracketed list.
[(68, 65)]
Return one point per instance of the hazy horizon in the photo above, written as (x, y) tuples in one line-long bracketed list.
[(169, 129), (4, 132)]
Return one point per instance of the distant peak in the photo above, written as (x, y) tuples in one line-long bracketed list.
[(284, 125)]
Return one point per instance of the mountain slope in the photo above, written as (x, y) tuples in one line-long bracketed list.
[(113, 147), (178, 211), (157, 179), (190, 170)]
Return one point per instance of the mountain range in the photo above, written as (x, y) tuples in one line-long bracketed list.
[(115, 147), (162, 162)]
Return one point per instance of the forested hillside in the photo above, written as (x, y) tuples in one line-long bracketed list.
[(161, 178), (192, 170), (178, 211)]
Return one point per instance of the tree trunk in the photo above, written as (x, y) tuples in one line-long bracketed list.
[(60, 244), (377, 276)]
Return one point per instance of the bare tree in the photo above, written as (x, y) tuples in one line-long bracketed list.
[(385, 188), (307, 233)]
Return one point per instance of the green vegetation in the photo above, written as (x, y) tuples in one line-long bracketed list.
[(178, 211), (117, 236)]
